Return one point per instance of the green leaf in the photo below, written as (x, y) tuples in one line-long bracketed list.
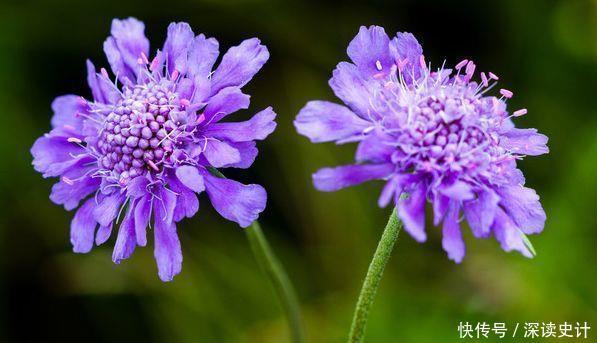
[(528, 243)]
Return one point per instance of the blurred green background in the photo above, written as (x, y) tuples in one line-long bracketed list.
[(546, 51)]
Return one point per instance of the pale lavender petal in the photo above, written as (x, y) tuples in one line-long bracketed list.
[(523, 206), (66, 111), (256, 128), (93, 83), (411, 211), (187, 203), (203, 53), (375, 148), (440, 207), (103, 234), (103, 90), (220, 154), (107, 209), (70, 194), (190, 177), (142, 215), (119, 68), (167, 251), (53, 153), (508, 235), (323, 121), (480, 212), (247, 154), (137, 187), (239, 64), (178, 40), (349, 85), (525, 142), (164, 204), (126, 241), (405, 47), (457, 190), (333, 179), (227, 101), (389, 190), (82, 228), (369, 50), (235, 201), (452, 236), (129, 37)]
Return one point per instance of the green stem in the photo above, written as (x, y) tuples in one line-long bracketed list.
[(374, 274), (282, 285)]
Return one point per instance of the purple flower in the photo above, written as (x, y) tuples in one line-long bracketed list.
[(140, 151), (434, 135)]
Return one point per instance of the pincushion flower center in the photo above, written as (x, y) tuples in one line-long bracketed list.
[(440, 125), (141, 131)]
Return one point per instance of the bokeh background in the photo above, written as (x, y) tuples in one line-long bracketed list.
[(546, 51)]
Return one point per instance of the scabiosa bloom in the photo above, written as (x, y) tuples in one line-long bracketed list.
[(138, 153), (434, 135)]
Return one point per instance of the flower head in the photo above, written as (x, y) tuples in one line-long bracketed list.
[(435, 135), (140, 150)]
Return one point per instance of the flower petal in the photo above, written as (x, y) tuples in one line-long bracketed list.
[(119, 68), (452, 236), (167, 251), (235, 201), (523, 206), (440, 207), (480, 212), (142, 214), (164, 203), (247, 154), (375, 148), (369, 50), (103, 90), (82, 228), (93, 83), (190, 177), (202, 55), (239, 64), (457, 190), (70, 194), (406, 47), (323, 121), (220, 154), (256, 128), (227, 101), (103, 234), (126, 241), (107, 208), (524, 141), (137, 187), (333, 179), (508, 235), (53, 153), (411, 211), (186, 200), (179, 38), (349, 85), (66, 109), (129, 38)]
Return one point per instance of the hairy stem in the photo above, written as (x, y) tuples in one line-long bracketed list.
[(374, 274), (282, 285)]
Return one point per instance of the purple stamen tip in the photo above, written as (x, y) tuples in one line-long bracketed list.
[(461, 64), (520, 112), (506, 93)]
